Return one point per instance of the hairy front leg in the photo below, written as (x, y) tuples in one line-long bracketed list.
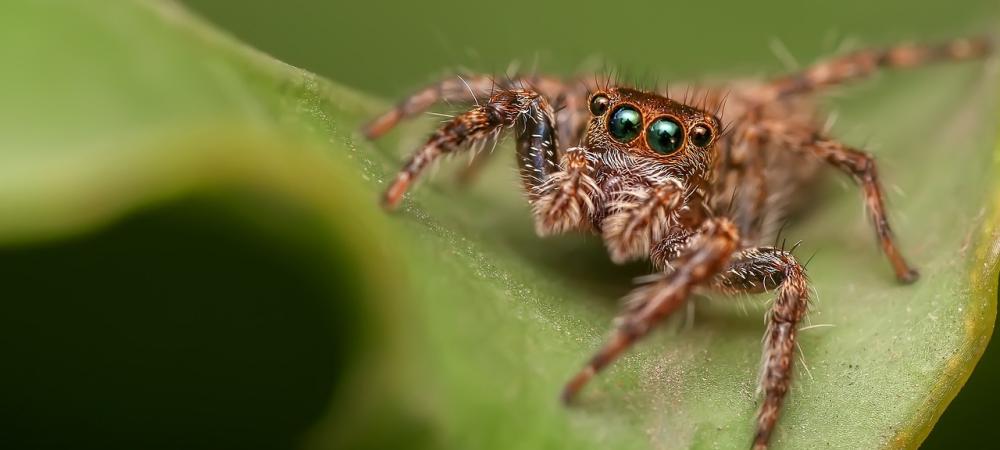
[(529, 110), (461, 89), (568, 100), (763, 269), (476, 88), (708, 253)]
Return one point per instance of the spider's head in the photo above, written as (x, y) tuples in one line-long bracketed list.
[(651, 135)]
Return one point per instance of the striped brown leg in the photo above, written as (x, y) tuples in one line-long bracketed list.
[(865, 63), (862, 168), (756, 270), (527, 109), (571, 117), (464, 90), (569, 99), (707, 255), (459, 89)]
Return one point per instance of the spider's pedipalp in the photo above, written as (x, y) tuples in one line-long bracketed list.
[(640, 218), (568, 199)]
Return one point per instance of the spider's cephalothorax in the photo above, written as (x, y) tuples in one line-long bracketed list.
[(659, 179), (642, 172)]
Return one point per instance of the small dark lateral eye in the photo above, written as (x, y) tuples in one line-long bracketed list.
[(599, 104), (701, 135)]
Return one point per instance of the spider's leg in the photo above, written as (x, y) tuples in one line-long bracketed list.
[(462, 89), (862, 168), (525, 109), (756, 270), (571, 118), (459, 89), (707, 255), (663, 255), (864, 63), (570, 104)]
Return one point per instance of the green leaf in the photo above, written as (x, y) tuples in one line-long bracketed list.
[(193, 252)]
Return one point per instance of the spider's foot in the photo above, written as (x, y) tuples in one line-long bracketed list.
[(908, 277), (573, 387)]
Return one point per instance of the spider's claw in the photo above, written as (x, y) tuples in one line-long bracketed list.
[(575, 384), (381, 124), (394, 194), (908, 277)]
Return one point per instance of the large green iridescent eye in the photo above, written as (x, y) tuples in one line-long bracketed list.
[(665, 135), (625, 124)]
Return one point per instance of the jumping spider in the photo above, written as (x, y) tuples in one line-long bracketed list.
[(696, 193)]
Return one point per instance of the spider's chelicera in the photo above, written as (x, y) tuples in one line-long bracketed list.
[(659, 179)]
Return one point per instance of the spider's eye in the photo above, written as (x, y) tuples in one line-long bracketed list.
[(625, 124), (701, 135), (599, 104), (665, 135)]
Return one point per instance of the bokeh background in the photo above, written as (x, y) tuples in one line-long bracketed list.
[(245, 350), (392, 49)]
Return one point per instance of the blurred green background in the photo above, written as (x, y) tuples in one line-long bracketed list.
[(201, 316), (389, 49)]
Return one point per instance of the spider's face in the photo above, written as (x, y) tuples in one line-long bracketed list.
[(641, 130)]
